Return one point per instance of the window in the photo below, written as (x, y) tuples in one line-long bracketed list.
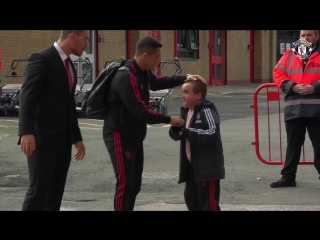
[(187, 44), (285, 38)]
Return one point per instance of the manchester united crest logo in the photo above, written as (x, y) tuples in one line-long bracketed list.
[(302, 48), (127, 154)]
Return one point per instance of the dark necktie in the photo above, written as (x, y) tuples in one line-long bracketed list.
[(69, 74)]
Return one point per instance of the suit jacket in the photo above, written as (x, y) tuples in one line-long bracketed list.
[(46, 108)]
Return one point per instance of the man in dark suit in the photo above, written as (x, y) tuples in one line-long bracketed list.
[(48, 125)]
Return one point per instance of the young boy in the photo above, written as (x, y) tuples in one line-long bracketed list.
[(201, 151)]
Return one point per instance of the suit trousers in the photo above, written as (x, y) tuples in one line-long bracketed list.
[(48, 171)]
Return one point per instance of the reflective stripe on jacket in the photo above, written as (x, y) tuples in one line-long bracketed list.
[(288, 72)]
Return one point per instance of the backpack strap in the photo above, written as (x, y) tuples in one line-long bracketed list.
[(123, 66)]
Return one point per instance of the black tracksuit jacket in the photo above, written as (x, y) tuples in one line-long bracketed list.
[(128, 98), (205, 144)]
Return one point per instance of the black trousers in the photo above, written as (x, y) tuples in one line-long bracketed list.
[(127, 160), (296, 132), (47, 176), (203, 196)]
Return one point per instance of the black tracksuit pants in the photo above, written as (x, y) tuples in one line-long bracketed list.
[(203, 196), (296, 132), (127, 160)]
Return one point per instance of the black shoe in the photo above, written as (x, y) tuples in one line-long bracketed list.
[(283, 183)]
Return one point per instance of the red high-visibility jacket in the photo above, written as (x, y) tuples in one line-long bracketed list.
[(288, 72)]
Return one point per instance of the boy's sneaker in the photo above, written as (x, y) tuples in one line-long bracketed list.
[(283, 183)]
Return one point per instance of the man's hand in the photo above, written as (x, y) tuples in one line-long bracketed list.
[(296, 88), (81, 151), (176, 122), (196, 77), (28, 144), (303, 89), (307, 89)]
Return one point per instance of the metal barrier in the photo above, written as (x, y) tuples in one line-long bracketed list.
[(271, 96)]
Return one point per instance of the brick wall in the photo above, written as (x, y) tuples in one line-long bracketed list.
[(258, 58), (238, 56), (273, 51), (135, 36), (268, 55), (112, 46), (167, 52), (264, 58), (21, 44)]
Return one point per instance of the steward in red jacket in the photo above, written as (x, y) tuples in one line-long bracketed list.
[(299, 78)]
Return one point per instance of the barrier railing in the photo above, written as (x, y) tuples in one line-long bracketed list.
[(271, 96)]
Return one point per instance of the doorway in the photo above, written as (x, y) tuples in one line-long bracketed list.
[(217, 56)]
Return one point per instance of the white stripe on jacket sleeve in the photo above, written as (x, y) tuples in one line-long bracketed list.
[(211, 123)]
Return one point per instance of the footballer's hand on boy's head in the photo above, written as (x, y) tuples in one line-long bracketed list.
[(196, 77)]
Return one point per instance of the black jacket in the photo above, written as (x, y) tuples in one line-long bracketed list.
[(128, 99), (46, 108), (205, 144)]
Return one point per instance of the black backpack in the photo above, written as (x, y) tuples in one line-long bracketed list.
[(94, 102)]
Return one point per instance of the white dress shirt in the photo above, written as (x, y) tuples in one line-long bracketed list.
[(63, 58)]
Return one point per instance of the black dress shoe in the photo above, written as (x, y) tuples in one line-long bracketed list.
[(283, 183)]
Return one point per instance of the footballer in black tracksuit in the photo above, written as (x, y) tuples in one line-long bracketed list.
[(203, 173), (125, 127)]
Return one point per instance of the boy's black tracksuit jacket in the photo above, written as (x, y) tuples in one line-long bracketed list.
[(205, 143)]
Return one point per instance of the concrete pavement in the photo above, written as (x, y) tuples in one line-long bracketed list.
[(90, 184)]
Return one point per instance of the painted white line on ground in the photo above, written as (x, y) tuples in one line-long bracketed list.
[(66, 209), (90, 128), (6, 120), (9, 126), (90, 124), (98, 120)]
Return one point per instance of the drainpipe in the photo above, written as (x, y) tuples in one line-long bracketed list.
[(226, 58), (175, 40), (251, 49), (210, 56), (128, 43), (97, 51)]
